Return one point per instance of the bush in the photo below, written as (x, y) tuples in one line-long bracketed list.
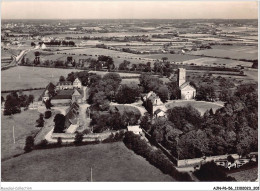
[(78, 139), (29, 144), (47, 114), (59, 141), (155, 157), (211, 172)]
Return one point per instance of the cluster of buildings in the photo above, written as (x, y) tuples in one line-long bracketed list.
[(64, 93)]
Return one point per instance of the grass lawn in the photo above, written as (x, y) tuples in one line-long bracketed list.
[(24, 77), (24, 125), (109, 162), (245, 175), (201, 106)]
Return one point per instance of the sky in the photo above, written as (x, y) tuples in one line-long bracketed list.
[(129, 9)]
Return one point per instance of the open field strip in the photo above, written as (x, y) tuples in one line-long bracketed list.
[(72, 164)]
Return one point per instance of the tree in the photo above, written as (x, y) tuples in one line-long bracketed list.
[(48, 104), (174, 90), (100, 102), (40, 121), (163, 92), (124, 65), (62, 79), (47, 114), (29, 144), (33, 44), (78, 139), (12, 104), (30, 98), (59, 141), (164, 59), (59, 123), (149, 83), (145, 122), (211, 172), (127, 93)]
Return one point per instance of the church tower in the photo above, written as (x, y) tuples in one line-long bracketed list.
[(181, 76)]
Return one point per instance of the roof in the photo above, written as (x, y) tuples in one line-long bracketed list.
[(64, 83), (158, 111), (185, 85), (134, 128), (71, 118), (62, 97)]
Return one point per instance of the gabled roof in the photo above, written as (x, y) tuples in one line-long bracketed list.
[(64, 83), (78, 79), (72, 115), (64, 94), (185, 85)]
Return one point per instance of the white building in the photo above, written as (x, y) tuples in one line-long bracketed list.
[(188, 92), (135, 129), (77, 83)]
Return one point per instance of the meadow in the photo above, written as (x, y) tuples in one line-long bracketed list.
[(109, 162), (24, 125), (25, 77), (201, 106)]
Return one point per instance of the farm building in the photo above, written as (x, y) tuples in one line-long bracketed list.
[(159, 113), (135, 129), (65, 97), (77, 83), (153, 98), (64, 85), (188, 92), (72, 119)]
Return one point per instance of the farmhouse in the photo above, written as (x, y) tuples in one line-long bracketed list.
[(77, 83), (188, 92), (65, 85), (135, 129), (153, 98), (159, 113), (65, 97)]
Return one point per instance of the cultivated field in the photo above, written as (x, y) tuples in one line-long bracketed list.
[(201, 106), (110, 162), (24, 125), (235, 52), (205, 61), (24, 77), (172, 57)]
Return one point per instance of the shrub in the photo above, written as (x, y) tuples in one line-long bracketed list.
[(211, 172), (47, 114), (78, 139), (59, 141), (86, 131), (29, 144)]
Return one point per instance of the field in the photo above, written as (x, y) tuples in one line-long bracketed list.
[(109, 162), (101, 73), (23, 77), (24, 125), (217, 62), (235, 52), (201, 106), (245, 175), (172, 57)]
